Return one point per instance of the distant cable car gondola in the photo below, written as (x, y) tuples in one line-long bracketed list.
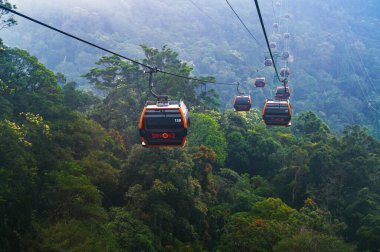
[(286, 35), (268, 62), (272, 45), (242, 102), (287, 15), (285, 55), (275, 26), (282, 93), (164, 124), (285, 72), (260, 81), (277, 113)]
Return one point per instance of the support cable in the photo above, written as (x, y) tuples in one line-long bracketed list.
[(369, 101), (109, 51), (206, 14), (266, 38), (241, 21)]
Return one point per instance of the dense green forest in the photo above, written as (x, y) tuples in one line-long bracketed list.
[(74, 177)]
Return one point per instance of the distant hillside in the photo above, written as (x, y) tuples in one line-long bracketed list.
[(335, 67)]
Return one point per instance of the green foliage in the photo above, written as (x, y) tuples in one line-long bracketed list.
[(112, 73), (30, 86), (310, 126), (266, 152), (243, 234), (235, 192), (208, 99), (130, 233), (207, 132), (78, 100), (204, 159), (369, 232), (122, 81), (167, 60), (313, 242), (6, 19), (68, 182), (17, 187), (71, 195), (72, 235), (271, 225), (99, 170), (161, 190)]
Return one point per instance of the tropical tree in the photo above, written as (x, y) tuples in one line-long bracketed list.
[(207, 132), (7, 19)]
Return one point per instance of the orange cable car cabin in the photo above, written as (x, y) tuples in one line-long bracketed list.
[(282, 93), (242, 103), (277, 113), (164, 124)]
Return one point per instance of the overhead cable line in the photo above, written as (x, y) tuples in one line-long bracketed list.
[(354, 49), (109, 51), (266, 38), (205, 13), (280, 16), (351, 39), (355, 74), (212, 19), (286, 41), (375, 90), (274, 29), (274, 13), (360, 83), (241, 21)]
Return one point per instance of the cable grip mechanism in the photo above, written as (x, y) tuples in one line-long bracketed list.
[(237, 89), (151, 71)]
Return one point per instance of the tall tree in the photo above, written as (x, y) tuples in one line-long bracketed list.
[(7, 19)]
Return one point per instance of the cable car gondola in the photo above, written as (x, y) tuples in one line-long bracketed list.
[(277, 113), (272, 45), (268, 62), (242, 103), (286, 35), (281, 93), (260, 82), (285, 72), (164, 124), (285, 55)]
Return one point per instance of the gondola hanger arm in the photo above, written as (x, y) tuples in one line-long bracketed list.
[(237, 89), (151, 71)]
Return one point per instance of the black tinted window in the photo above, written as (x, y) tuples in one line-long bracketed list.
[(163, 119)]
